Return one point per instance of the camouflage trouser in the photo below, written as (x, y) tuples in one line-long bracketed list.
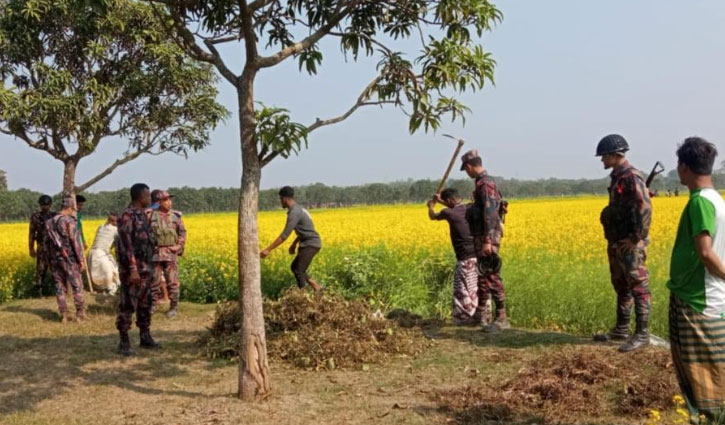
[(67, 273), (630, 277), (134, 298), (170, 273), (42, 266), (489, 287)]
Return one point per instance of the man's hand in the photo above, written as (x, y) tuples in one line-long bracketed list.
[(135, 278), (264, 254), (487, 249), (292, 249), (437, 198), (33, 253), (83, 267), (431, 203)]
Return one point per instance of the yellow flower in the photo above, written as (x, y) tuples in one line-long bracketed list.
[(678, 400)]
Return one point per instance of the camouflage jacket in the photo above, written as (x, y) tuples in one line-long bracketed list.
[(171, 220), (62, 239), (136, 242), (37, 229), (484, 218), (628, 192)]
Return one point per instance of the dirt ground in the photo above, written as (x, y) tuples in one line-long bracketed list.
[(70, 374)]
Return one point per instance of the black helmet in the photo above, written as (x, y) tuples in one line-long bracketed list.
[(45, 200), (614, 143), (488, 265)]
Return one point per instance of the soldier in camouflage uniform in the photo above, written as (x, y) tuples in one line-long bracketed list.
[(170, 233), (485, 222), (626, 221), (36, 240), (66, 257), (135, 250)]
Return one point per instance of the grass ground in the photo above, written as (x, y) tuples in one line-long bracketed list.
[(70, 374)]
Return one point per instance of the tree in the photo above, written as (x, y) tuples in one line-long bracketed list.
[(449, 62), (77, 72), (3, 180)]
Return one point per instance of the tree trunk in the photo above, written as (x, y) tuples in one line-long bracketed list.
[(69, 177), (254, 379)]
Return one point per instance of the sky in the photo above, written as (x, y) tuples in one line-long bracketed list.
[(568, 72)]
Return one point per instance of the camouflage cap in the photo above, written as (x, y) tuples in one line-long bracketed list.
[(155, 195), (162, 194), (67, 202), (473, 153)]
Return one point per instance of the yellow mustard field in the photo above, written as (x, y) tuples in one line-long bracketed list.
[(555, 269)]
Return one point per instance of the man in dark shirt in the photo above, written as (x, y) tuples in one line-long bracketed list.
[(465, 278), (36, 241), (299, 220)]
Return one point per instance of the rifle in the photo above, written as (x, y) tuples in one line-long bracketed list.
[(657, 169)]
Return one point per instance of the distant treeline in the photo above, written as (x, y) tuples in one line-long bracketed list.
[(19, 204)]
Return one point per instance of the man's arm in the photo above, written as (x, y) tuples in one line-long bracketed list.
[(293, 247), (491, 206), (713, 263), (72, 230), (181, 231), (292, 220), (431, 212), (642, 208), (31, 238)]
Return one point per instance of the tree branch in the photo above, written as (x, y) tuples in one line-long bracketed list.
[(250, 40), (188, 43), (112, 167), (269, 61), (362, 100), (219, 63)]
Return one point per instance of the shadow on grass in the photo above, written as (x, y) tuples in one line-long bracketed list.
[(44, 313), (511, 338), (36, 369)]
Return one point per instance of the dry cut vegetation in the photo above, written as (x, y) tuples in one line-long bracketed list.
[(317, 332), (570, 384)]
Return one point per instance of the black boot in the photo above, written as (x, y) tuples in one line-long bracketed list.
[(147, 341), (640, 339), (124, 347), (620, 332)]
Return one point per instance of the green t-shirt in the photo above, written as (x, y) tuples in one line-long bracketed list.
[(689, 280)]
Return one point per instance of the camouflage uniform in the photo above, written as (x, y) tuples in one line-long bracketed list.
[(66, 257), (627, 256), (37, 239), (134, 248), (488, 229), (165, 259)]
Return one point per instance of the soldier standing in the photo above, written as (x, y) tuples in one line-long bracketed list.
[(66, 256), (170, 234), (36, 241), (135, 250), (626, 221), (485, 221)]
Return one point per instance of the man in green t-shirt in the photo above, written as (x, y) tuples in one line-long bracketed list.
[(697, 285)]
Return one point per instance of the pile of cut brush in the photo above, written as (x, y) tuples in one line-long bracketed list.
[(316, 332), (573, 384)]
